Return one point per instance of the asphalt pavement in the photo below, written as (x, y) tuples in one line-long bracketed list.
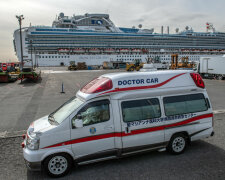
[(204, 160), (22, 103)]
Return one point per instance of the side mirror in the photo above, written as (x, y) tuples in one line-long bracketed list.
[(78, 122)]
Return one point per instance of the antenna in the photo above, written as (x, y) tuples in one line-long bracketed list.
[(209, 26)]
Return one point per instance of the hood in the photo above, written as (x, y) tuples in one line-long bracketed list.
[(42, 125)]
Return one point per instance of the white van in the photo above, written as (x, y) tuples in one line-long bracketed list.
[(119, 114)]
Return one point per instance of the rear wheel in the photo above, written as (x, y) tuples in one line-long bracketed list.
[(58, 165), (137, 68), (131, 68), (220, 77), (177, 144)]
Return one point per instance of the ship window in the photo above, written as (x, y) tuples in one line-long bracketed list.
[(46, 56)]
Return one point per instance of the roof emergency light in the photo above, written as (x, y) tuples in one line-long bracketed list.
[(97, 85), (198, 80)]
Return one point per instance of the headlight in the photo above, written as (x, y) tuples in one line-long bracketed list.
[(32, 138), (32, 143)]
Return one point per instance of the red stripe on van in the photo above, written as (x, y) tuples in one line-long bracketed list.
[(133, 132), (143, 87)]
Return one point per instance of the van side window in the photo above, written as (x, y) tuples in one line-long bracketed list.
[(136, 110), (95, 112), (175, 105)]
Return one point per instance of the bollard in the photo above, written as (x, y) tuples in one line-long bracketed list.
[(62, 89)]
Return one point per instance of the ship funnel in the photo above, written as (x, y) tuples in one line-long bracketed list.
[(168, 30), (140, 26), (162, 30)]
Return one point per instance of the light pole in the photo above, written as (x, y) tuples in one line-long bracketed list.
[(20, 18), (35, 60), (31, 46)]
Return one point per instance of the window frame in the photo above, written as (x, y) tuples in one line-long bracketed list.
[(148, 98), (86, 107), (205, 98)]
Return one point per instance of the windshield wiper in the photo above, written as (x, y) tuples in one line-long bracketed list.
[(52, 120)]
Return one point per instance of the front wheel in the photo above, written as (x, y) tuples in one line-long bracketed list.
[(220, 77), (58, 165), (177, 144), (131, 68)]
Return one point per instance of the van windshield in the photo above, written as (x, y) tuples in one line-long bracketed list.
[(64, 111)]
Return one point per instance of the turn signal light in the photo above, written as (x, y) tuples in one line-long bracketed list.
[(22, 145), (24, 136), (97, 85), (198, 80)]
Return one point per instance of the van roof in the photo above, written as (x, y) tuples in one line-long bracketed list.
[(136, 81)]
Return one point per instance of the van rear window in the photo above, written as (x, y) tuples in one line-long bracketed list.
[(136, 110), (175, 105)]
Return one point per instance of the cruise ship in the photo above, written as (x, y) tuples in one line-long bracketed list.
[(94, 39)]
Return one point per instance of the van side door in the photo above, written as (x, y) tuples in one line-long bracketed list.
[(142, 124), (96, 138)]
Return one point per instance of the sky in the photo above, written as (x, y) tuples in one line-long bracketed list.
[(124, 13)]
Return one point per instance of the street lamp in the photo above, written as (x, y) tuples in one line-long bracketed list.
[(31, 48), (35, 60), (20, 18)]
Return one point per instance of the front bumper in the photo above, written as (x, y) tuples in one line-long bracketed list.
[(33, 166), (33, 159)]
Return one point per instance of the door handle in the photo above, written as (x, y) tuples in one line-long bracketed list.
[(127, 130), (108, 127)]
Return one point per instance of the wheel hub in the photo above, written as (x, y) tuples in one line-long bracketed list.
[(57, 165), (178, 144)]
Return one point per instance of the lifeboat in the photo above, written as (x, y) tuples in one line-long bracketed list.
[(145, 50), (136, 50), (186, 50), (94, 50), (63, 50), (109, 50), (79, 50), (124, 50)]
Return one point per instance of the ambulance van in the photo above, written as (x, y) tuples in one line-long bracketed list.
[(120, 114)]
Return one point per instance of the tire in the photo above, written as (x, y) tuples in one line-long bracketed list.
[(131, 68), (177, 144), (58, 165), (220, 77), (26, 69)]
